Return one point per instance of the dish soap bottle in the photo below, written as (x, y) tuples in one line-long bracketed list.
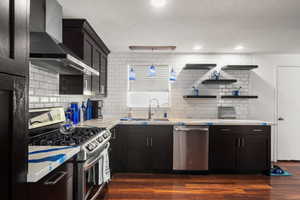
[(195, 91)]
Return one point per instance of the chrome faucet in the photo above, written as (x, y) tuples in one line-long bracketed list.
[(150, 107)]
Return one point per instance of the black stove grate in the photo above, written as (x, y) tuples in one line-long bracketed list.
[(55, 138)]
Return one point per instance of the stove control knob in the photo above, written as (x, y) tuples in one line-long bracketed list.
[(105, 135), (95, 143), (90, 147), (100, 139)]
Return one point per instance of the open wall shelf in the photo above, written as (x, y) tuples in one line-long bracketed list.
[(199, 66), (220, 81), (239, 97), (200, 97), (239, 67)]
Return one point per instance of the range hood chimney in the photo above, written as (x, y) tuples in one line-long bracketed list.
[(46, 47)]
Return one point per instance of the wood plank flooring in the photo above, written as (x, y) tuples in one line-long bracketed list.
[(206, 187)]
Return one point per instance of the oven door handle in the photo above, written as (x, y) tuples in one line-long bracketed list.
[(93, 162)]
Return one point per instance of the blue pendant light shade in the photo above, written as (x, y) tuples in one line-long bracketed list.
[(132, 75), (173, 75), (152, 71)]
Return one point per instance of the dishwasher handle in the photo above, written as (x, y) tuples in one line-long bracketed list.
[(180, 128)]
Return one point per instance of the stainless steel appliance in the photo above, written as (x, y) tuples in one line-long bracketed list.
[(190, 149), (227, 112), (92, 162), (46, 47), (97, 109)]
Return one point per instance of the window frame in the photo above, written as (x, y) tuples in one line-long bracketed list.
[(147, 65)]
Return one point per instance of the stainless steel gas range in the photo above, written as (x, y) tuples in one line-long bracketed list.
[(47, 128)]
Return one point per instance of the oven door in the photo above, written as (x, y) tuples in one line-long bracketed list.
[(91, 177)]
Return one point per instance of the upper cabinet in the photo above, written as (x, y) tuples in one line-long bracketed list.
[(80, 37), (14, 37)]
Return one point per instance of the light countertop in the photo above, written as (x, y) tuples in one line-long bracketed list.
[(44, 159), (110, 123)]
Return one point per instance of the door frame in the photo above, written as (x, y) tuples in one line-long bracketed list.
[(276, 113)]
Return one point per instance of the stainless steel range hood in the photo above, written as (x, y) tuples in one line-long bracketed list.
[(46, 47)]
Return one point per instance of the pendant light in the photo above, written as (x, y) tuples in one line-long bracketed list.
[(173, 75), (152, 68), (132, 74)]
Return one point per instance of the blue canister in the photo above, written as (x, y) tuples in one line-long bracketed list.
[(236, 93), (75, 113)]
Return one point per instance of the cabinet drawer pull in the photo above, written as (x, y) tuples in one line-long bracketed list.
[(151, 142), (225, 129), (55, 178), (258, 130)]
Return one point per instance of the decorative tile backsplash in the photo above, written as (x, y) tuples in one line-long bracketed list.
[(44, 90), (44, 86), (116, 106)]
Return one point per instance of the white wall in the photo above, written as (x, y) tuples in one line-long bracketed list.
[(44, 90), (263, 83), (115, 103)]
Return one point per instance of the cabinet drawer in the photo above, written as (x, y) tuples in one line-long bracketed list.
[(226, 129), (257, 130), (57, 185)]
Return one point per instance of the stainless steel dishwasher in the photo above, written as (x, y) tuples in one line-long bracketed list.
[(190, 149)]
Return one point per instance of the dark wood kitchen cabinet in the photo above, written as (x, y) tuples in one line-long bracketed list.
[(117, 151), (14, 67), (143, 148), (14, 43), (80, 37), (138, 150), (57, 185), (240, 148)]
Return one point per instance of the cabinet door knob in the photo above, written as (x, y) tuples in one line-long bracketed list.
[(280, 119)]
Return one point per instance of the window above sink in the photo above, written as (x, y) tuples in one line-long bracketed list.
[(146, 87)]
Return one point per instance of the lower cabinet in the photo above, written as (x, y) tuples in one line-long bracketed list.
[(232, 149), (137, 148), (240, 148), (118, 150), (57, 185)]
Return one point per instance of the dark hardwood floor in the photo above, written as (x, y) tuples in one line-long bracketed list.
[(206, 187)]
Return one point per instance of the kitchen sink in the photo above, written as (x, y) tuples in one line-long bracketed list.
[(138, 119), (160, 120), (154, 120)]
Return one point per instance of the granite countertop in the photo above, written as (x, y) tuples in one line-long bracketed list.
[(110, 122), (44, 159)]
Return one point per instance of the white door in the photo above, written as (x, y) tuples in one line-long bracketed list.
[(288, 90)]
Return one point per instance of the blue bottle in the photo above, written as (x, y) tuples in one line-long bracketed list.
[(89, 109), (83, 112), (75, 113)]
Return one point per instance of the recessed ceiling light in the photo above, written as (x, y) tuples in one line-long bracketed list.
[(158, 3), (239, 47), (198, 47)]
